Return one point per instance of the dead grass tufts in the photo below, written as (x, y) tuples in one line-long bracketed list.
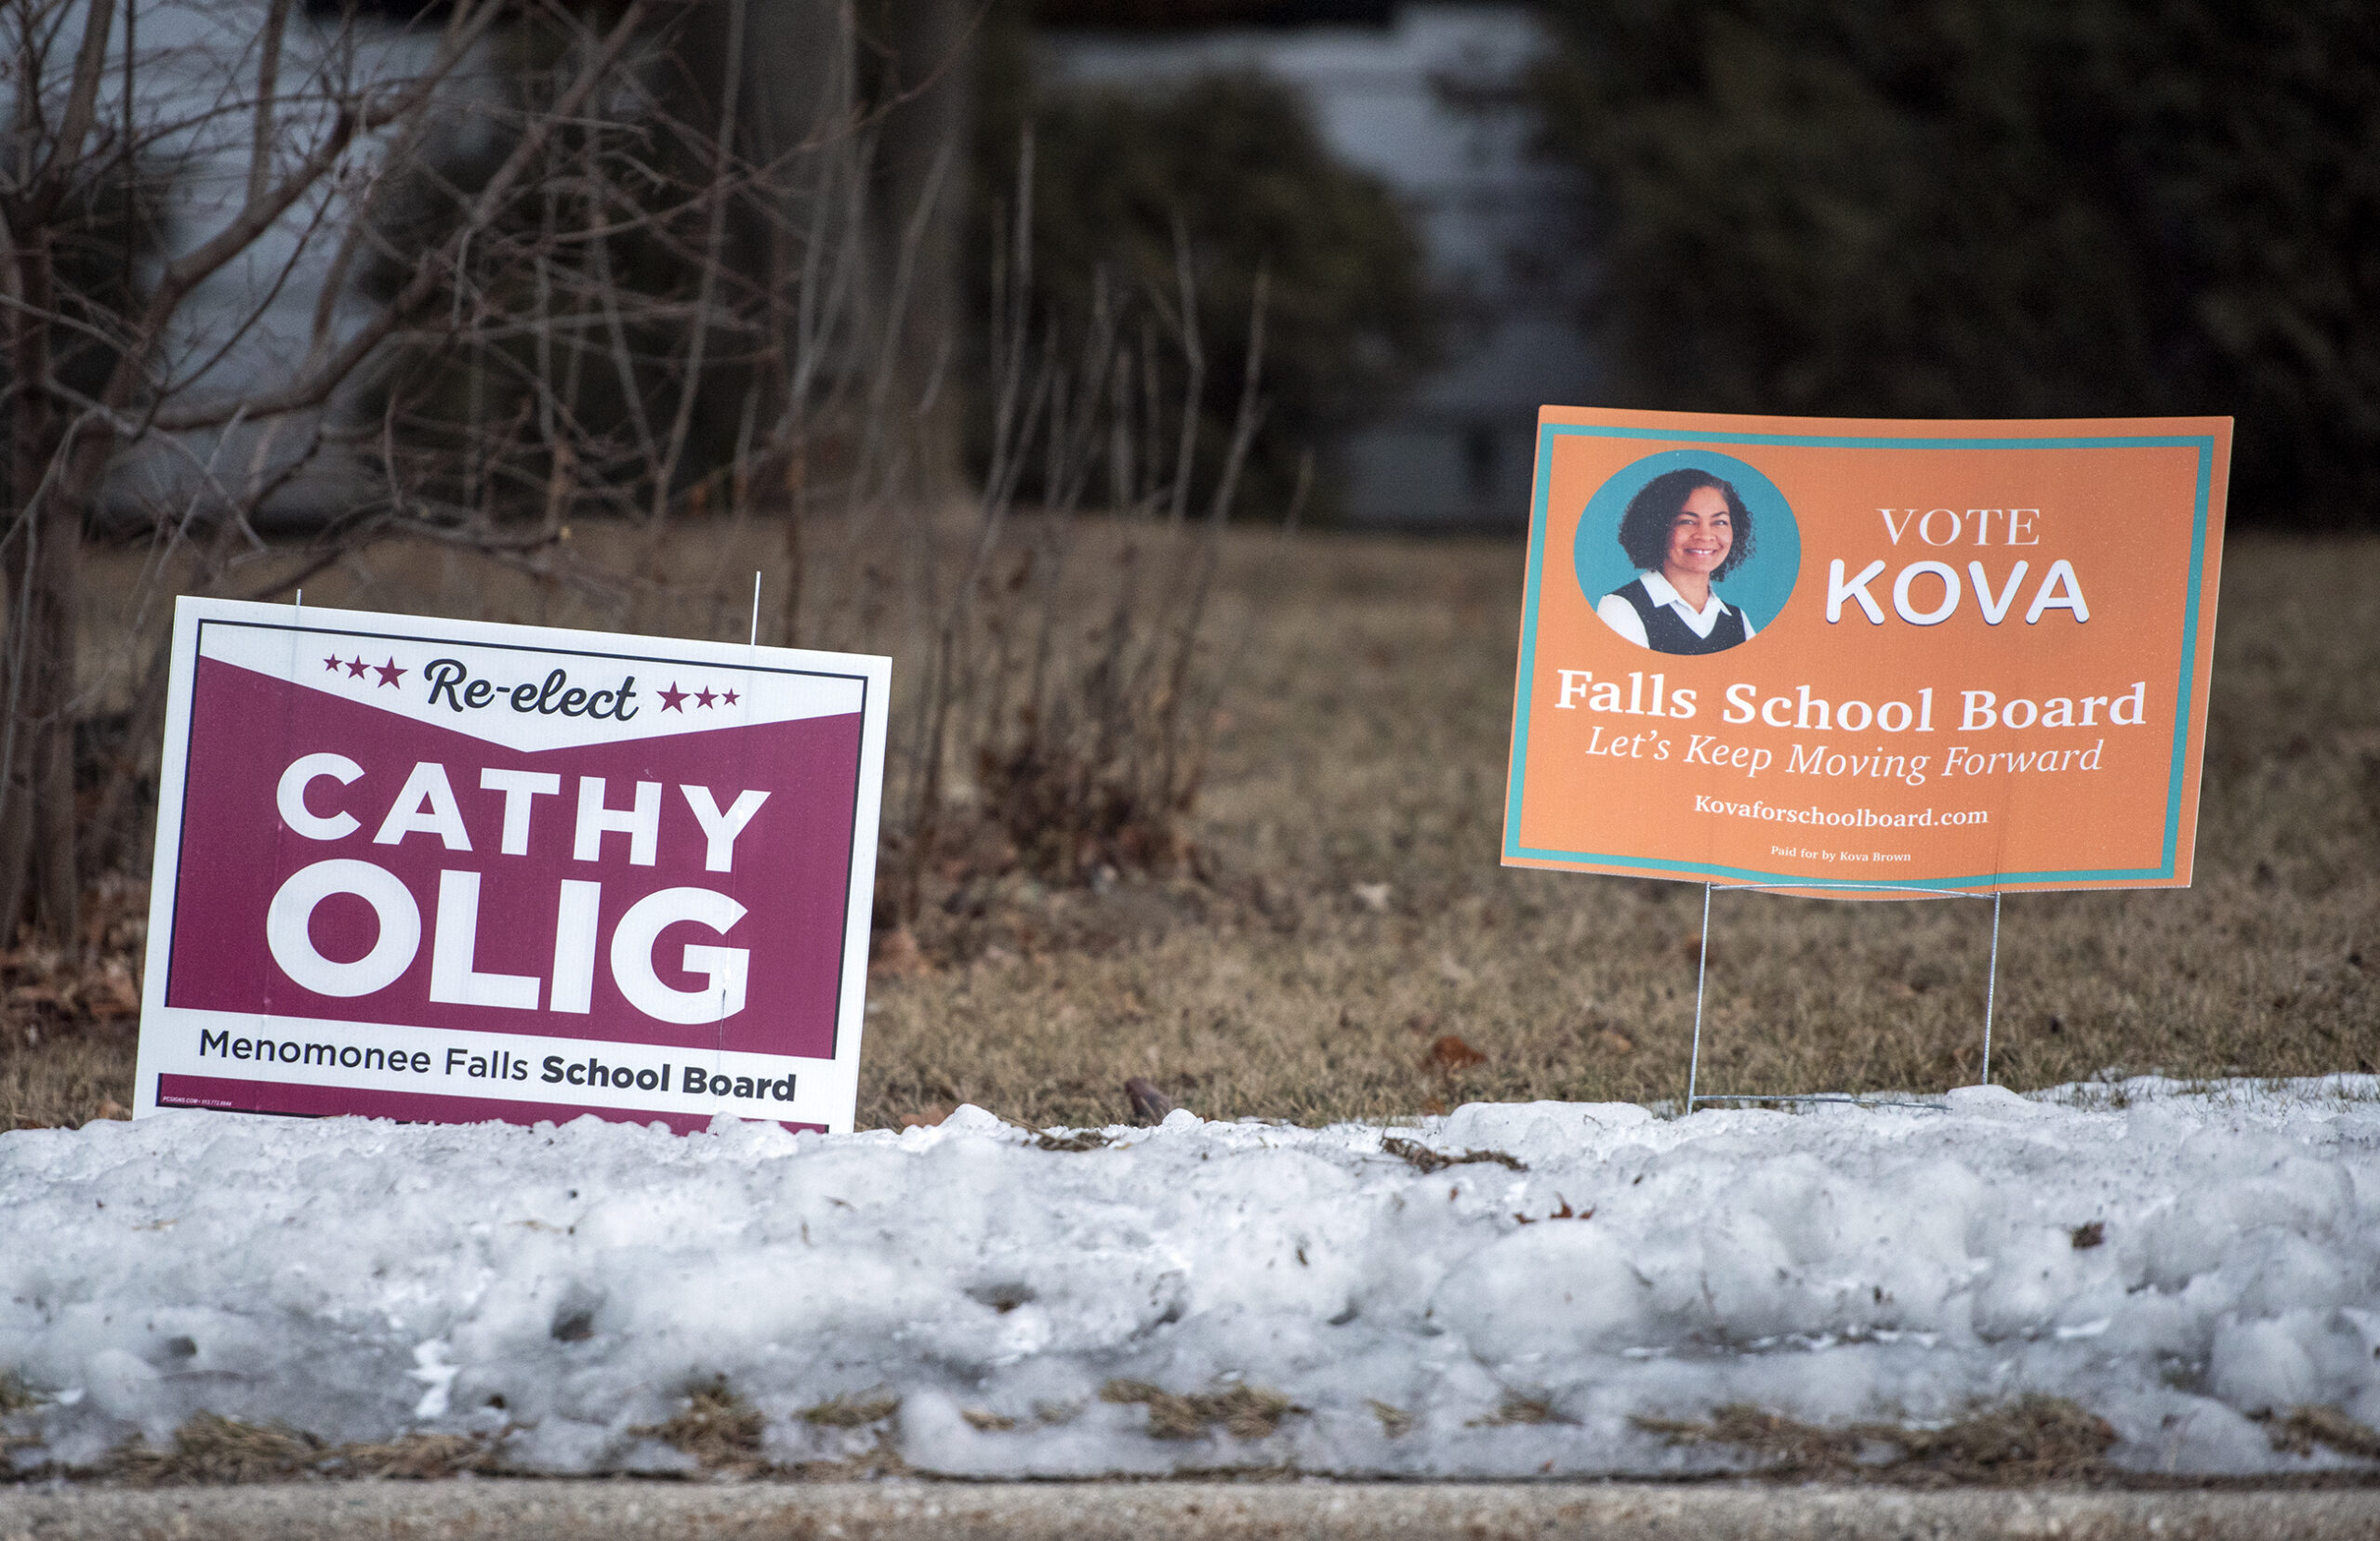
[(1395, 1421), (878, 1461), (211, 1450), (1787, 1445), (1066, 814), (1518, 1408), (2307, 1427), (717, 1426), (14, 1395), (1423, 1159), (418, 1457), (1072, 1140), (1245, 1411), (984, 1422), (2034, 1439), (94, 981), (853, 1411), (53, 1077)]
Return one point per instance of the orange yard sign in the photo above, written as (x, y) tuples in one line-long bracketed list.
[(1867, 657)]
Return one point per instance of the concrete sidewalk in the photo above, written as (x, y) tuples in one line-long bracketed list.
[(518, 1511)]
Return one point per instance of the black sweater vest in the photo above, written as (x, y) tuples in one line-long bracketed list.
[(1665, 633)]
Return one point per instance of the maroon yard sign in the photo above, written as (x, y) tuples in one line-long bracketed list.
[(450, 870)]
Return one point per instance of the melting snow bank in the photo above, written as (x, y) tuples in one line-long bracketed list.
[(2181, 1262)]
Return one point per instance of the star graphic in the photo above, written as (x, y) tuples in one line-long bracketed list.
[(707, 696), (672, 697), (355, 669), (387, 671), (729, 697), (333, 664)]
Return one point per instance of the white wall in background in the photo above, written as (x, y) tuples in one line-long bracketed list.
[(1457, 451)]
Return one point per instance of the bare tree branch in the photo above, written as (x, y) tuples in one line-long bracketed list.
[(327, 377), (82, 102), (715, 237), (276, 24)]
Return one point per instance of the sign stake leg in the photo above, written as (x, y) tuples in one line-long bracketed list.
[(756, 607), (1701, 972), (1990, 988)]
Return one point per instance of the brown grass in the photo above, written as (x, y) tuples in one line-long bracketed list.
[(717, 1426), (1345, 911), (212, 1450), (853, 1411), (1243, 1412), (418, 1458), (1423, 1159), (1518, 1408), (2035, 1439), (1367, 747), (2307, 1427)]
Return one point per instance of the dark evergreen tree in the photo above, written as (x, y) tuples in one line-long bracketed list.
[(1993, 207)]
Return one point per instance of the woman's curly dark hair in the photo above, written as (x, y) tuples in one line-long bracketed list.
[(1645, 528)]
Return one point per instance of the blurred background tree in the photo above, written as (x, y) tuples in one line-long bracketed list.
[(1993, 207), (1236, 163)]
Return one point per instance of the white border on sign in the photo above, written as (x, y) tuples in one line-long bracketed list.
[(179, 1040)]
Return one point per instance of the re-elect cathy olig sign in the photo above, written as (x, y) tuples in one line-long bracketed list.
[(1867, 657), (447, 871)]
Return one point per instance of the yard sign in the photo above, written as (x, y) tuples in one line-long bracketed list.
[(448, 871), (1952, 656)]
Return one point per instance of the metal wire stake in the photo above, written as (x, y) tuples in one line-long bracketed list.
[(756, 607), (1701, 972), (1990, 987)]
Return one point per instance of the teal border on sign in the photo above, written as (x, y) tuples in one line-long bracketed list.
[(2184, 695)]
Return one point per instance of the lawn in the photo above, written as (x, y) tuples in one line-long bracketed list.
[(1344, 945)]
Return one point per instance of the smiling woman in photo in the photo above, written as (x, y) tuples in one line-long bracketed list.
[(1686, 530)]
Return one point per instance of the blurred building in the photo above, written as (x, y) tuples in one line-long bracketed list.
[(1425, 97)]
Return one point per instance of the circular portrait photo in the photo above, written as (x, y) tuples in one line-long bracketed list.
[(1687, 551)]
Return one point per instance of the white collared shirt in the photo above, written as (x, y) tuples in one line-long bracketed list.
[(1621, 617)]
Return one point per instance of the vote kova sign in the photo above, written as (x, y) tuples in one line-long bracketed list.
[(1864, 658), (447, 871)]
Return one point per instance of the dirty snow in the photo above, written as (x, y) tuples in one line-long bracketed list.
[(564, 1286)]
